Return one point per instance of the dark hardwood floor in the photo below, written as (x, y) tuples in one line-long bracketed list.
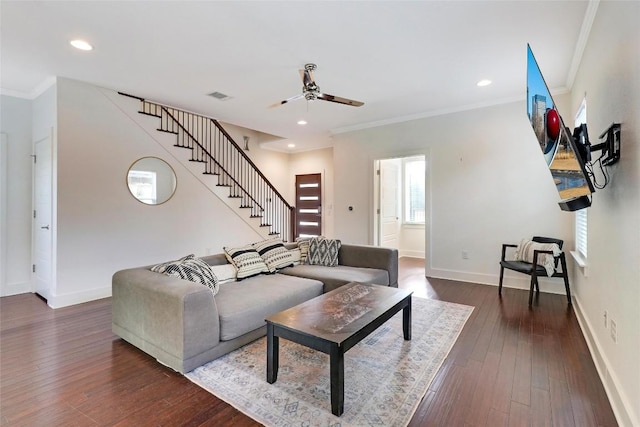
[(510, 366)]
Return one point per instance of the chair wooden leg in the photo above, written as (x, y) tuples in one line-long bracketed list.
[(533, 281), (500, 283), (565, 277)]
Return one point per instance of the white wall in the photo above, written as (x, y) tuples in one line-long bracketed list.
[(486, 178), (101, 227), (316, 161), (15, 123), (609, 75)]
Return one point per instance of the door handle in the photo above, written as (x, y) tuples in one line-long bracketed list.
[(45, 227)]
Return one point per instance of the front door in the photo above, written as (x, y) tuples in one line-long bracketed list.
[(308, 205)]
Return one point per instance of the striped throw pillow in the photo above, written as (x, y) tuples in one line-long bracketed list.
[(274, 254), (247, 261)]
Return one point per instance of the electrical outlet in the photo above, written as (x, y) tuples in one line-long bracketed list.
[(614, 332), (605, 318), (465, 254)]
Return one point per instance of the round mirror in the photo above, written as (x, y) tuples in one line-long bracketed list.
[(151, 180)]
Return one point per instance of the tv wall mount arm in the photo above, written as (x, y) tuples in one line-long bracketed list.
[(610, 147)]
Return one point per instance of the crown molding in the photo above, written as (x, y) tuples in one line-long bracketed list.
[(583, 37)]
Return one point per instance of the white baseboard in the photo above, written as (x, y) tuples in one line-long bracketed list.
[(548, 285), (620, 404), (411, 254), (16, 289), (65, 300)]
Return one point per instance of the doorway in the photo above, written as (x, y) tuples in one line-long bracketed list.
[(400, 204), (308, 205)]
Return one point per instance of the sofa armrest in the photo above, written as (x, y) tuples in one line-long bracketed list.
[(371, 257), (168, 318)]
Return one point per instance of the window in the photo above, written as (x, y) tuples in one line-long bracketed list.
[(581, 215), (414, 210), (581, 232)]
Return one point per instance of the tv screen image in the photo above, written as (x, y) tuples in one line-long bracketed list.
[(556, 142)]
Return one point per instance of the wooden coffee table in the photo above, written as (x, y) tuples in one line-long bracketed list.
[(333, 323)]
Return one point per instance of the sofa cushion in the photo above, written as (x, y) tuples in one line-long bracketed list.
[(189, 268), (243, 306), (337, 276), (274, 254), (323, 252), (247, 261)]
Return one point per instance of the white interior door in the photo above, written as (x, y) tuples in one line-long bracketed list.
[(42, 226), (389, 203), (3, 214)]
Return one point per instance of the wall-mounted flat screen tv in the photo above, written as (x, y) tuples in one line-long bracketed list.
[(556, 142)]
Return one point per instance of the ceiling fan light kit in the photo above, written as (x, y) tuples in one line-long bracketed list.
[(311, 91)]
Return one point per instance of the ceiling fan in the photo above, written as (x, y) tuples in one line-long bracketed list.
[(311, 91)]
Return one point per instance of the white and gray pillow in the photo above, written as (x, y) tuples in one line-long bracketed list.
[(303, 245), (274, 254), (526, 248), (225, 272), (247, 261)]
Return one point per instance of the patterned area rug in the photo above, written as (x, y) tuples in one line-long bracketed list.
[(385, 376)]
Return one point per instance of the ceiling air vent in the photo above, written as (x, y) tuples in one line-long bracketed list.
[(220, 96)]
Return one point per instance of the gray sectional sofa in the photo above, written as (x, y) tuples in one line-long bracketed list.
[(183, 325)]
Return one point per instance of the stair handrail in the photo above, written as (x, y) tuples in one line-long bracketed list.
[(204, 150), (165, 108)]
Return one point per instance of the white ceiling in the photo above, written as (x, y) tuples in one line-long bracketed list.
[(404, 60)]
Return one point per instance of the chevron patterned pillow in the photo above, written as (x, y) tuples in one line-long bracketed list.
[(192, 269), (323, 252)]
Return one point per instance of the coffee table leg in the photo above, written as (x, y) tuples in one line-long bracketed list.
[(406, 321), (272, 355), (336, 361)]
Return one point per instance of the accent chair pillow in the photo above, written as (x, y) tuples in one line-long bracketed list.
[(225, 272), (247, 261), (274, 254), (323, 252), (524, 252), (192, 269)]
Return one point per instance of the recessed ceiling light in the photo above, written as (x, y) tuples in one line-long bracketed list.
[(302, 122), (485, 82), (81, 44), (291, 145)]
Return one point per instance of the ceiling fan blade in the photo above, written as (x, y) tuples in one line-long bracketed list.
[(293, 98), (339, 100)]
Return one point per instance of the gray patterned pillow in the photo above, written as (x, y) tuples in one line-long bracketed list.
[(323, 252), (190, 268), (246, 260), (274, 254)]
